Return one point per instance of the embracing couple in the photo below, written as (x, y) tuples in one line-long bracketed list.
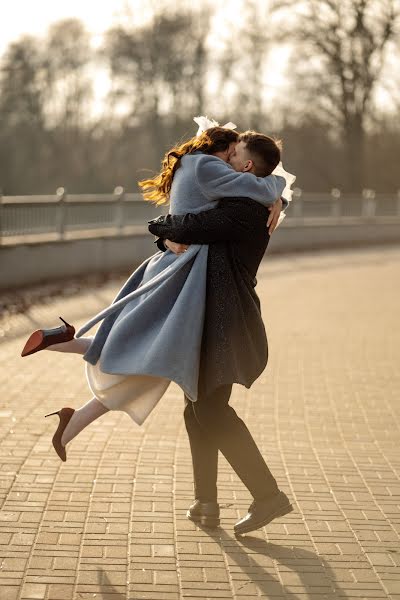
[(190, 314)]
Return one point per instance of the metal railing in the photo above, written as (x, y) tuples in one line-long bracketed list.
[(65, 216), (337, 206)]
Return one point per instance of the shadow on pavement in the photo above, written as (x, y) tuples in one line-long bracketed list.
[(108, 590), (311, 572)]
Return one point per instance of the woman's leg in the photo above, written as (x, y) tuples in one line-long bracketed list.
[(75, 346), (81, 418)]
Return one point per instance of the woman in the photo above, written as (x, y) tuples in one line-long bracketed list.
[(151, 333)]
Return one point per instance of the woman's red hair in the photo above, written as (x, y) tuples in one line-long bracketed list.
[(215, 139)]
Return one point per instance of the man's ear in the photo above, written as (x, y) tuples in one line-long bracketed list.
[(248, 165)]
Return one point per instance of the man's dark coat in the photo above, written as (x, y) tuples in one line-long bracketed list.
[(234, 344)]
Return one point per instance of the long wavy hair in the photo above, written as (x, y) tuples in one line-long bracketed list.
[(215, 139)]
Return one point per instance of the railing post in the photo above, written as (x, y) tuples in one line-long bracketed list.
[(62, 194), (298, 203), (1, 214), (369, 205), (119, 215), (335, 207)]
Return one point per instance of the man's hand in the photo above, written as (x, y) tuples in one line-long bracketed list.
[(174, 247), (274, 212)]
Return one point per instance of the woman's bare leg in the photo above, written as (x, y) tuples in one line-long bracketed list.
[(81, 418), (75, 346)]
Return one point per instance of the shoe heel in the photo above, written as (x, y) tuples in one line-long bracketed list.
[(65, 322), (54, 413), (194, 518), (210, 521), (285, 511)]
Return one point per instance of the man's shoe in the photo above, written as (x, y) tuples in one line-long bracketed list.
[(204, 513), (262, 512)]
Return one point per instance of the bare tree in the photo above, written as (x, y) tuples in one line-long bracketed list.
[(45, 93), (158, 76), (159, 67), (69, 87), (244, 63), (22, 121), (255, 43), (67, 102), (343, 45)]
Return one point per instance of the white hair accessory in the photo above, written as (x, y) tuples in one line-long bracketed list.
[(287, 192), (205, 123), (290, 179)]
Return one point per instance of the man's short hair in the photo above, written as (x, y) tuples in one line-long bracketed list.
[(265, 152)]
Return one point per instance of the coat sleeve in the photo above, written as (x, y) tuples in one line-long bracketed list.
[(227, 222), (217, 179)]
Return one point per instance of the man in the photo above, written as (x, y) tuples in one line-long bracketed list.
[(234, 343)]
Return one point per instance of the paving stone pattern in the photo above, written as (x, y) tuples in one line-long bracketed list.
[(110, 522)]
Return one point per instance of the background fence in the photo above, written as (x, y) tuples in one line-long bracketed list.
[(47, 238), (64, 216)]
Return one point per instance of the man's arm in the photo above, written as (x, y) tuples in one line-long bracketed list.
[(230, 221)]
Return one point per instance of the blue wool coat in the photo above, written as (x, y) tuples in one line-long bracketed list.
[(154, 325)]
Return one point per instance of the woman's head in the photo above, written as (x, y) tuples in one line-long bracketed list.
[(217, 141), (223, 141)]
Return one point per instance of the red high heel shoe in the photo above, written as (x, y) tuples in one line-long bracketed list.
[(42, 338), (65, 415)]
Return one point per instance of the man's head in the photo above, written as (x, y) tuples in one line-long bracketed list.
[(256, 153)]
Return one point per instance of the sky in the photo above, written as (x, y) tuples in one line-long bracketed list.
[(34, 16), (18, 17), (26, 16)]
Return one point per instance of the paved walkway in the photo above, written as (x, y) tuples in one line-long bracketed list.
[(110, 522)]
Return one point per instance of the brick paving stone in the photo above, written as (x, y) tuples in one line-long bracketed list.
[(111, 521), (10, 592)]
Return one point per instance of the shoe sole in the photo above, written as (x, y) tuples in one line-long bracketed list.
[(205, 521), (33, 344), (39, 341), (285, 510)]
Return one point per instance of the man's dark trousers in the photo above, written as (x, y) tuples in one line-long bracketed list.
[(212, 425), (234, 344)]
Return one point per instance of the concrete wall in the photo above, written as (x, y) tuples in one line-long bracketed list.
[(314, 235), (26, 264)]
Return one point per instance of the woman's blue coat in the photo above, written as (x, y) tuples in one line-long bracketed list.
[(154, 325)]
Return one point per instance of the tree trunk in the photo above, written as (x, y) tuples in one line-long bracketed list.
[(355, 153)]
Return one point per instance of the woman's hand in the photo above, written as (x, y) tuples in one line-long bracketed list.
[(174, 247), (274, 212)]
